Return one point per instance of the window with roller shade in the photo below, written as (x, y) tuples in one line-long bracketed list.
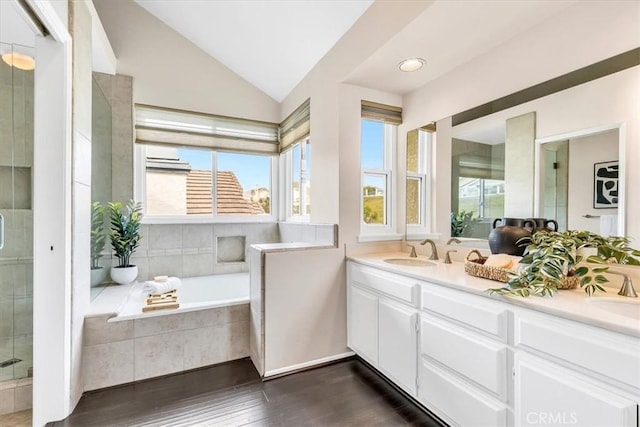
[(197, 167), (295, 148), (377, 148)]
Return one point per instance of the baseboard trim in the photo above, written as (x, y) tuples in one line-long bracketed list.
[(288, 370)]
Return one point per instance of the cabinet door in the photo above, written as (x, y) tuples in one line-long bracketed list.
[(363, 324), (397, 351), (548, 394)]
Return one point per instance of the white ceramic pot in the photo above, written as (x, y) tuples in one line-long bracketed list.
[(98, 275), (124, 275)]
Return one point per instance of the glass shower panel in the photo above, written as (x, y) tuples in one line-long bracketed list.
[(16, 255)]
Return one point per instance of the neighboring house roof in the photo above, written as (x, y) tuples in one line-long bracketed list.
[(230, 198)]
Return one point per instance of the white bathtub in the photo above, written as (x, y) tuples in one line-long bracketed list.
[(196, 293)]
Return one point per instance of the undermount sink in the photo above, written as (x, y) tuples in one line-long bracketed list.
[(411, 262), (623, 307)]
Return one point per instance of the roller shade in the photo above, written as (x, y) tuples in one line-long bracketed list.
[(157, 125), (296, 126), (381, 112)]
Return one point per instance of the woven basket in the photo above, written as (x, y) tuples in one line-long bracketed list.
[(475, 267)]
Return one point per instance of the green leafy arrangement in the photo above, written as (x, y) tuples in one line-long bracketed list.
[(98, 237), (125, 230), (462, 223), (552, 255)]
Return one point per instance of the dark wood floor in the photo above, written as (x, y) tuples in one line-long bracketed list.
[(348, 393)]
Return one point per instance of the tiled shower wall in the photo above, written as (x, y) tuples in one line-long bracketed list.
[(16, 259)]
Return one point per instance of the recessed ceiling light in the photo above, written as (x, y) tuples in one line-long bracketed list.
[(19, 60), (411, 64)]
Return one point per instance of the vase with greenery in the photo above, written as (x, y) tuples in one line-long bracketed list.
[(97, 242), (125, 239), (550, 257)]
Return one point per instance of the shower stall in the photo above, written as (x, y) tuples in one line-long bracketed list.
[(16, 215)]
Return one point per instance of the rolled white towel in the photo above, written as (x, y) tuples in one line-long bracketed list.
[(155, 287)]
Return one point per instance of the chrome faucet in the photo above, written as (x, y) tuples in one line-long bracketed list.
[(627, 286), (453, 240), (434, 251), (413, 253), (447, 257)]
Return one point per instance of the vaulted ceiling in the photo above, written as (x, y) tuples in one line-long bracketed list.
[(273, 44)]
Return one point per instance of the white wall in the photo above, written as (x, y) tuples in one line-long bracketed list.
[(170, 71), (349, 154), (549, 50), (52, 220), (583, 153), (81, 31)]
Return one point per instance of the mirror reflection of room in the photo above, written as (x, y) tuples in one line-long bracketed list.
[(492, 170), (418, 193), (579, 182), (477, 181)]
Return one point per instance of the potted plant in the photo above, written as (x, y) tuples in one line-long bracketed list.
[(125, 238), (551, 261), (462, 223), (98, 239)]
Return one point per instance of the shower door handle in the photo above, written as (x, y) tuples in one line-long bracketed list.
[(1, 231)]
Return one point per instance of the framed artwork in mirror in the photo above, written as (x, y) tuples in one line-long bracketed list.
[(605, 185)]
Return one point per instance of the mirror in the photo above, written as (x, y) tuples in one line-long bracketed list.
[(559, 156), (492, 172)]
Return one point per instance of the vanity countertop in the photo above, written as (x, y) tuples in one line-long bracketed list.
[(570, 304)]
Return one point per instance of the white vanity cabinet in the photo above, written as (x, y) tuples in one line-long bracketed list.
[(363, 324), (382, 322), (570, 373), (477, 361), (463, 367)]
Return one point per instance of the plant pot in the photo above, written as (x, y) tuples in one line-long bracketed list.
[(124, 275), (504, 240), (98, 275)]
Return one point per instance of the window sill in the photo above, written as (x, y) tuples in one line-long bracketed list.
[(364, 238)]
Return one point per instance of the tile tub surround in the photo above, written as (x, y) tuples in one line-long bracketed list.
[(132, 350), (326, 234), (15, 395), (193, 250)]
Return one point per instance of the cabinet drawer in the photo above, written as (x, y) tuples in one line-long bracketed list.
[(401, 288), (477, 358), (568, 398), (608, 353), (472, 310), (456, 400)]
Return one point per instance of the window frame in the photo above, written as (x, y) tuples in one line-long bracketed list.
[(286, 189), (140, 193), (425, 170), (386, 231)]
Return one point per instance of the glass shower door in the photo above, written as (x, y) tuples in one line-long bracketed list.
[(16, 215)]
